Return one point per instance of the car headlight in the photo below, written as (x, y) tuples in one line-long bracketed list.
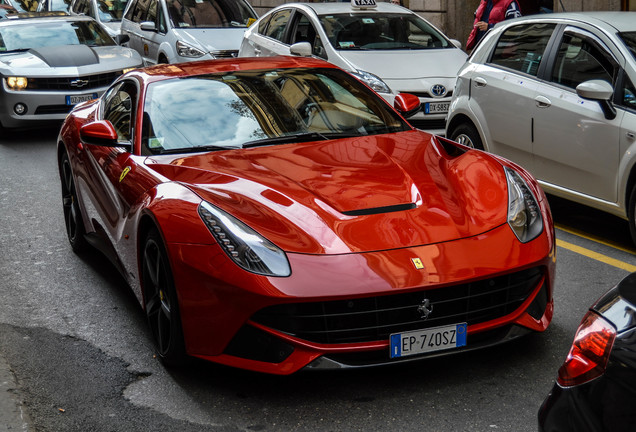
[(185, 50), (372, 81), (243, 245), (524, 215), (16, 83)]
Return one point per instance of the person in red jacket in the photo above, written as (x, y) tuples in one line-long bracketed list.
[(489, 13)]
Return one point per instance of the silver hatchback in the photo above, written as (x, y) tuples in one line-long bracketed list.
[(555, 93)]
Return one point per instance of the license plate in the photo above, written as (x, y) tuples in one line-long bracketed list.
[(75, 99), (436, 107), (423, 341)]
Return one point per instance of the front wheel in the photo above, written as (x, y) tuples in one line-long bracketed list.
[(466, 134), (160, 301), (72, 215)]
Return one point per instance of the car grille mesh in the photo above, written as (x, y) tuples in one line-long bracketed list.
[(73, 83), (225, 54), (375, 318)]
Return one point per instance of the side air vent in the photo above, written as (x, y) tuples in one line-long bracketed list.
[(379, 210)]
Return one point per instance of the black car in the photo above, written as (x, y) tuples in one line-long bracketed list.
[(596, 385)]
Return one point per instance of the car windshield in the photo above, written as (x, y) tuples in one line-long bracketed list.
[(209, 13), (629, 39), (110, 10), (36, 34), (252, 108), (373, 31)]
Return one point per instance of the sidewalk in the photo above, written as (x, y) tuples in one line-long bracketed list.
[(12, 417)]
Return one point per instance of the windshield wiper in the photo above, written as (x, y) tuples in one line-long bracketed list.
[(196, 149), (300, 137)]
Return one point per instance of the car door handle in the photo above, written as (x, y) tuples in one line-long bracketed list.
[(257, 51), (631, 135), (480, 82), (542, 101)]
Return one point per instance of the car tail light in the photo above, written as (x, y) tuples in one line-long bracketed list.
[(590, 351)]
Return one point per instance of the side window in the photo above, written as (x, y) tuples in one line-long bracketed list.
[(581, 59), (139, 11), (81, 7), (521, 47), (130, 10), (278, 24), (119, 109), (628, 94), (152, 12), (161, 20), (262, 26), (306, 32)]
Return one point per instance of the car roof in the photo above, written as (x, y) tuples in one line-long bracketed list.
[(612, 21), (179, 70), (26, 18), (345, 7)]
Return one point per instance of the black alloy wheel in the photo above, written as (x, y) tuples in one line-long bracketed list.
[(72, 215), (160, 301), (466, 134)]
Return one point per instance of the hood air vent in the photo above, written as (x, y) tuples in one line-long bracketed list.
[(379, 210)]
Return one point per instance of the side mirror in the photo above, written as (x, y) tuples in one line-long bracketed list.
[(101, 133), (457, 43), (600, 91), (122, 39), (302, 49), (148, 26), (407, 104)]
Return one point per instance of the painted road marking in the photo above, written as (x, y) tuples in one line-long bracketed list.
[(596, 256)]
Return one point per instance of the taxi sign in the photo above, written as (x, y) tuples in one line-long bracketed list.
[(363, 4)]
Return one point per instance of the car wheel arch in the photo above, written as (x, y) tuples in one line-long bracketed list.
[(463, 119)]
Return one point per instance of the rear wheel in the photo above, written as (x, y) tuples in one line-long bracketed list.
[(466, 134), (631, 213), (160, 300), (72, 216)]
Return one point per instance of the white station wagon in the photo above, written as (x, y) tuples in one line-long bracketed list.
[(390, 48)]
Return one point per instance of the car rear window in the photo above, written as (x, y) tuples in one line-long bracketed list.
[(521, 47)]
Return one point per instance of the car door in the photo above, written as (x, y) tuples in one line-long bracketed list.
[(502, 90), (151, 40), (116, 178), (269, 40), (575, 146), (130, 25)]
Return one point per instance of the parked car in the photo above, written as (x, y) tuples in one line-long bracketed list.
[(555, 93), (54, 6), (108, 13), (390, 48), (49, 63), (276, 214), (174, 31), (596, 385)]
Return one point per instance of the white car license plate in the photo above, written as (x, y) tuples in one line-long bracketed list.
[(436, 107), (75, 99), (422, 341)]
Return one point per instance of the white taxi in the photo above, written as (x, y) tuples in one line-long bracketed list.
[(390, 48)]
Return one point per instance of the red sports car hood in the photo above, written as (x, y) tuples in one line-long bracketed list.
[(350, 195)]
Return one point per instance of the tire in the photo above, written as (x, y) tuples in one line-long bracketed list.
[(160, 301), (466, 134), (72, 215), (631, 213)]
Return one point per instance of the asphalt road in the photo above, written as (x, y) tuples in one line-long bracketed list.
[(76, 355)]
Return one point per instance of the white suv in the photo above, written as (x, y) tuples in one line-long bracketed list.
[(555, 93), (174, 31)]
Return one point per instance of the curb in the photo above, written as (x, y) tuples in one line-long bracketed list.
[(13, 416)]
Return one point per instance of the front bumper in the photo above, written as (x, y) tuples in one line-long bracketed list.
[(220, 306)]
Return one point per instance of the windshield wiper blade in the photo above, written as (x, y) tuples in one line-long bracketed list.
[(196, 149), (300, 137)]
